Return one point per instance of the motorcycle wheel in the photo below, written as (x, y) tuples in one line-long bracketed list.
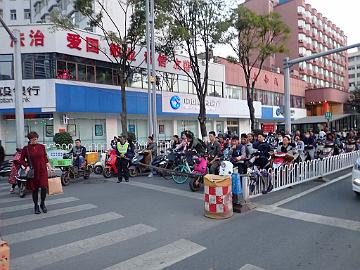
[(195, 184), (22, 190), (107, 173), (133, 171), (65, 179), (98, 169)]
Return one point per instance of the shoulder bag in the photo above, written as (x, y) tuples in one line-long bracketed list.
[(30, 173)]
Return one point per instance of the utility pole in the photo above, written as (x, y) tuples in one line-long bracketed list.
[(19, 108), (148, 60), (153, 71), (289, 63)]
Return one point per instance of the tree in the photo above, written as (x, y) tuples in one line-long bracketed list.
[(122, 42), (353, 104), (254, 38), (193, 26)]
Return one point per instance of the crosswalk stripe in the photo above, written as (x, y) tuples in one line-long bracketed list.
[(62, 227), (14, 199), (160, 258), (30, 205), (60, 253), (52, 213), (250, 267)]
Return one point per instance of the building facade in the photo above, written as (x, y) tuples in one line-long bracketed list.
[(69, 85), (311, 32), (354, 70), (15, 12)]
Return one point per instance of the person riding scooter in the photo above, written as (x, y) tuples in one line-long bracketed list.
[(79, 154), (214, 153), (309, 148), (285, 153)]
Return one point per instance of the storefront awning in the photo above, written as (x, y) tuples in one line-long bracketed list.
[(318, 119)]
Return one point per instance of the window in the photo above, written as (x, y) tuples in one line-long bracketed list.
[(27, 14), (13, 14), (6, 67), (1, 13), (103, 75), (351, 76), (358, 67), (358, 75)]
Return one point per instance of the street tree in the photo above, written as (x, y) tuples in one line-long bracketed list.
[(193, 27), (122, 41), (254, 38), (353, 103)]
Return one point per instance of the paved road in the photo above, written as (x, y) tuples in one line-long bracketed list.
[(156, 224)]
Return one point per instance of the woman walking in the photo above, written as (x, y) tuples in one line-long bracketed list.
[(34, 155)]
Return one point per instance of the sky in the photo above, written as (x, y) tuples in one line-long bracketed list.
[(343, 13)]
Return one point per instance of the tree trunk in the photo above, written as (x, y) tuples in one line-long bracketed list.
[(123, 115), (250, 103), (202, 117)]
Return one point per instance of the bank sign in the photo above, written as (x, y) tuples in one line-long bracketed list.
[(35, 94), (179, 103)]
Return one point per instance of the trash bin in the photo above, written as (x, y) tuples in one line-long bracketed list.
[(217, 196)]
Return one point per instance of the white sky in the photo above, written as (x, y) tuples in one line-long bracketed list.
[(343, 13)]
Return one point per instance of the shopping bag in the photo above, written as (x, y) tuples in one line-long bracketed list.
[(55, 186), (4, 255)]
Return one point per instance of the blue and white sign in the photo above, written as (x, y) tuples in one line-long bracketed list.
[(175, 102)]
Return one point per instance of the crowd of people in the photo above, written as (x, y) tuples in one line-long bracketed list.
[(238, 150)]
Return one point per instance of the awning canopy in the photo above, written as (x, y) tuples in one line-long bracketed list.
[(318, 119)]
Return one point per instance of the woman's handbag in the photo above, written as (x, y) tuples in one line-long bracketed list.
[(30, 173)]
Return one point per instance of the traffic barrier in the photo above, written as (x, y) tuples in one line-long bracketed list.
[(294, 174), (217, 196)]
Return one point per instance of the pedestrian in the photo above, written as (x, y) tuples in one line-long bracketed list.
[(175, 142), (14, 170), (214, 153), (124, 153), (150, 153), (34, 155)]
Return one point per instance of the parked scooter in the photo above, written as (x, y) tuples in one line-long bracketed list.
[(326, 150), (256, 174), (110, 165), (100, 165), (200, 169), (280, 159), (136, 167)]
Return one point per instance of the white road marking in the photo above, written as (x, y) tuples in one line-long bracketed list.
[(60, 253), (31, 205), (301, 194), (250, 267), (174, 191), (58, 228), (160, 258), (314, 218), (14, 198), (52, 213)]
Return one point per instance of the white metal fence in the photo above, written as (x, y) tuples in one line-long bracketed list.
[(93, 147), (287, 176)]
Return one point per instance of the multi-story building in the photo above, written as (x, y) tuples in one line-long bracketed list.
[(312, 32), (22, 12), (15, 12), (354, 70)]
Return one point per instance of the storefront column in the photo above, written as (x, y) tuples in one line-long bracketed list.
[(225, 127), (2, 131), (214, 127), (58, 123), (111, 128), (175, 127)]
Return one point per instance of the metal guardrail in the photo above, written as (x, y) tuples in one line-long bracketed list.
[(302, 172)]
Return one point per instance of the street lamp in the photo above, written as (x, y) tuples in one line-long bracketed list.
[(19, 109)]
